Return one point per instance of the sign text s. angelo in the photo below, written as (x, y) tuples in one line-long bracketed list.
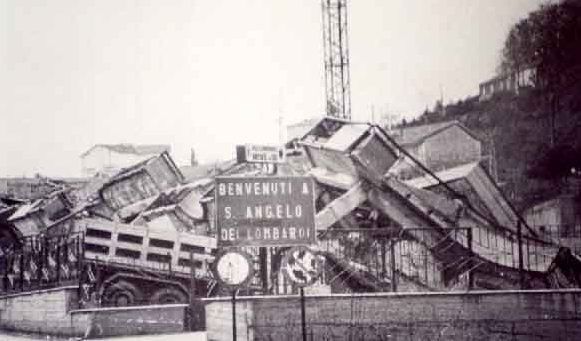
[(265, 211)]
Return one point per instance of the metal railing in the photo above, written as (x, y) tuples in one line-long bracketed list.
[(41, 262), (438, 259), (413, 254)]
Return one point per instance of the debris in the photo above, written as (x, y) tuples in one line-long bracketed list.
[(179, 208), (35, 216), (141, 181)]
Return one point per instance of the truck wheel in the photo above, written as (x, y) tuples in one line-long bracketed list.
[(122, 294), (169, 296)]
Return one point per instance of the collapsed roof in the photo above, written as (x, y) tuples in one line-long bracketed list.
[(356, 159)]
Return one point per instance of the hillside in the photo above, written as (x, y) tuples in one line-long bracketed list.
[(516, 129), (535, 136)]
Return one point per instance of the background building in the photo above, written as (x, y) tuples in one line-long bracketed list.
[(27, 188), (108, 159), (511, 83), (438, 146)]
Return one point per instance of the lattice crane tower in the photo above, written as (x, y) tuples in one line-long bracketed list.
[(337, 81)]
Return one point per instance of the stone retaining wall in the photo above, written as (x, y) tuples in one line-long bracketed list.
[(54, 312), (142, 320), (484, 315), (41, 311)]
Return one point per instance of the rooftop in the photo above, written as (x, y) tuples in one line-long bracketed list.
[(298, 130), (128, 148), (417, 134)]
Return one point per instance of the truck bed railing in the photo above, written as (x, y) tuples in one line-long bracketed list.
[(147, 247)]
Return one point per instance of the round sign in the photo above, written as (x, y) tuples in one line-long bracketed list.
[(302, 266), (233, 268)]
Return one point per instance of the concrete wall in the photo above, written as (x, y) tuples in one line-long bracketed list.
[(53, 312), (42, 311), (143, 320), (219, 317), (491, 315)]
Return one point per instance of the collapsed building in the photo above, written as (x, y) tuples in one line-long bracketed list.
[(147, 235)]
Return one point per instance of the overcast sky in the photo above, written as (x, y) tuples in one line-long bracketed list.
[(215, 73)]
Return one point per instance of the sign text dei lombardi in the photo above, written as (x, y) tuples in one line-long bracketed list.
[(261, 211)]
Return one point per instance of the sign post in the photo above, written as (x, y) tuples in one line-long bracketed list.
[(303, 267), (233, 269), (234, 315), (268, 211), (303, 317)]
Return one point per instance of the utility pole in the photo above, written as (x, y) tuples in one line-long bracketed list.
[(336, 50), (443, 107), (281, 128), (492, 155)]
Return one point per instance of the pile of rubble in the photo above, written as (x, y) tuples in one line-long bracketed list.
[(354, 165)]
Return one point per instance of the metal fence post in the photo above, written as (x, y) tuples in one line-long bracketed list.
[(383, 258), (58, 263), (80, 242), (65, 260), (38, 261), (470, 261), (5, 273), (392, 264), (45, 255), (21, 264), (263, 261), (192, 277), (520, 255)]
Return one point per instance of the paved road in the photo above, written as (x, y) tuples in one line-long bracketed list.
[(198, 336)]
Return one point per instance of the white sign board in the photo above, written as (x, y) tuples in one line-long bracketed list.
[(264, 154)]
